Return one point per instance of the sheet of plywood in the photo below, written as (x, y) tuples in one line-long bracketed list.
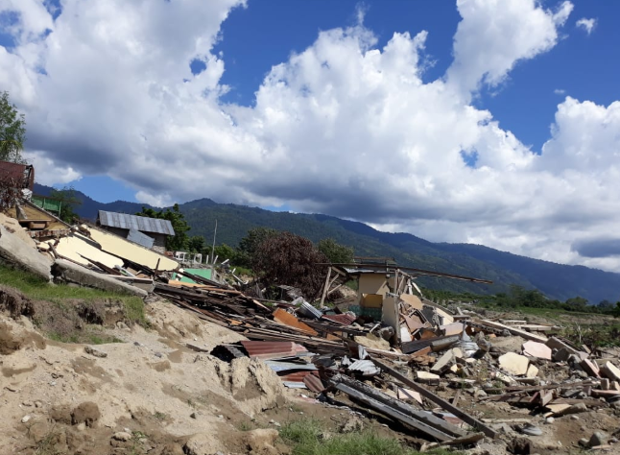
[(412, 301), (456, 328), (133, 252), (76, 248)]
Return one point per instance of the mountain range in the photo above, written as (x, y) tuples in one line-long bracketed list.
[(557, 281)]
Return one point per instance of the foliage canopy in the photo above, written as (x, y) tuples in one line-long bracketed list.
[(335, 252), (180, 226), (12, 130), (288, 259), (69, 202)]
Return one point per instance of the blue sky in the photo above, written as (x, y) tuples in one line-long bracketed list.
[(266, 33), (480, 121)]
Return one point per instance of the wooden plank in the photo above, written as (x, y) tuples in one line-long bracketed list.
[(436, 399), (326, 286), (514, 331)]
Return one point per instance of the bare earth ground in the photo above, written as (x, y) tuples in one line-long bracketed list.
[(151, 394)]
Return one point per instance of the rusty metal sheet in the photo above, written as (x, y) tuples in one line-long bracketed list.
[(314, 383), (285, 318), (266, 350), (296, 376), (342, 319)]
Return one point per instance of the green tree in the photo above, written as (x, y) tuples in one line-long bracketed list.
[(12, 130), (180, 226), (249, 244), (69, 202), (196, 244), (223, 252), (335, 252), (291, 260), (577, 303)]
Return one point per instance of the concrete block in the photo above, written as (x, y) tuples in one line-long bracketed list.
[(74, 273), (609, 370), (539, 350), (20, 253)]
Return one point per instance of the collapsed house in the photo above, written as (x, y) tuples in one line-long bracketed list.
[(148, 232)]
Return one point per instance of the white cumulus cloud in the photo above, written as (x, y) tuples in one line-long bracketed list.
[(343, 127), (586, 24)]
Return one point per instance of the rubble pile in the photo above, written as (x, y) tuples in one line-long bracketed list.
[(443, 375)]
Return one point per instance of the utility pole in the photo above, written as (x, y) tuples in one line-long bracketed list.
[(213, 249)]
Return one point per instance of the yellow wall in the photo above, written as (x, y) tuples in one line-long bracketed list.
[(124, 248), (373, 283)]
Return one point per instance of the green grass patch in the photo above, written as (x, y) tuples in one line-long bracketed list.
[(307, 437), (38, 289), (547, 312)]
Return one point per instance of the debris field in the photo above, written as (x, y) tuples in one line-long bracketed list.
[(441, 375)]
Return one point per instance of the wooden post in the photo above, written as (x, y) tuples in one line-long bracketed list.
[(329, 275)]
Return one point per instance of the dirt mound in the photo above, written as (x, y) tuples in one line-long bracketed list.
[(15, 303), (14, 337), (253, 385), (149, 393)]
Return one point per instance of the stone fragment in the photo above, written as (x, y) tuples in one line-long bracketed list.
[(427, 378), (444, 362), (532, 371), (15, 249), (353, 424), (95, 352), (590, 367), (609, 370), (531, 430), (122, 436), (87, 412), (573, 409), (597, 439), (514, 363), (535, 349)]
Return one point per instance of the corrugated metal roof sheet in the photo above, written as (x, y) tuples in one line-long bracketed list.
[(140, 238), (139, 223), (314, 383), (281, 367), (272, 349), (296, 376), (366, 367)]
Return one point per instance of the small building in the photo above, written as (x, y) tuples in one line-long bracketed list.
[(148, 232)]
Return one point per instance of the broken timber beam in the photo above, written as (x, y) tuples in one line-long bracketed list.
[(422, 421), (514, 331), (471, 420)]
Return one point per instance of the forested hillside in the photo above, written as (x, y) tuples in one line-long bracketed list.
[(234, 221)]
